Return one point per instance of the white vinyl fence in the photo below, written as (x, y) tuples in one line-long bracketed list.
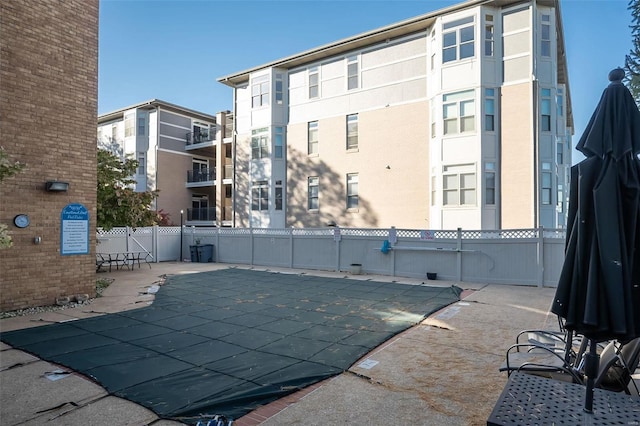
[(516, 256)]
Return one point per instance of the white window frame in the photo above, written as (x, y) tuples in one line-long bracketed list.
[(314, 82), (260, 143), (490, 109), (260, 195), (260, 91), (142, 164), (545, 35), (459, 185), (129, 125), (353, 200), (489, 36), (142, 126), (545, 110), (546, 184), (353, 72), (490, 183), (455, 34), (313, 138), (458, 108), (313, 193), (279, 89), (278, 142), (278, 197), (352, 132)]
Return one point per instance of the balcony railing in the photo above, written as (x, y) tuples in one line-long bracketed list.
[(203, 213), (200, 136), (202, 175)]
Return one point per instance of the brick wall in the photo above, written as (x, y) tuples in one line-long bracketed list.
[(48, 110)]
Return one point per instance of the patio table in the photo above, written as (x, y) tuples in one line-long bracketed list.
[(125, 259), (528, 399)]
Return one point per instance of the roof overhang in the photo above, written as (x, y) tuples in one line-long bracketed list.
[(155, 104)]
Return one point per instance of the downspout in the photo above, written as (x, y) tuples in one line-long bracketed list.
[(536, 110), (234, 135)]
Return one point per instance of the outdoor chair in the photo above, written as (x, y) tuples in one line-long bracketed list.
[(542, 360), (617, 364), (552, 354)]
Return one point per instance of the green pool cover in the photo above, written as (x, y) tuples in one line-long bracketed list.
[(228, 341)]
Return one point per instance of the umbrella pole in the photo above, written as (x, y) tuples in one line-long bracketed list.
[(590, 369)]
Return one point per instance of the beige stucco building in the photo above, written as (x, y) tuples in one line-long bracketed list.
[(457, 118), (182, 153)]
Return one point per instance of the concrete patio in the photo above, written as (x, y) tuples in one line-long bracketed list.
[(443, 371)]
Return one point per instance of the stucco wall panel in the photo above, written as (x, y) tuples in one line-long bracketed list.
[(517, 157)]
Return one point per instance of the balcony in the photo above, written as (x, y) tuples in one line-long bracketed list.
[(203, 216), (202, 141), (203, 177)]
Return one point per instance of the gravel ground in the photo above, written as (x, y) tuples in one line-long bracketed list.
[(101, 285)]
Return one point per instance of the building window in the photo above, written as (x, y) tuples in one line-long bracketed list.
[(278, 144), (433, 119), (545, 36), (279, 89), (312, 138), (560, 152), (352, 191), (200, 170), (489, 110), (200, 208), (129, 123), (559, 103), (260, 91), (260, 195), (459, 185), (260, 143), (458, 112), (142, 165), (352, 131), (490, 183), (278, 200), (433, 50), (114, 133), (314, 82), (142, 126), (352, 72), (458, 42), (559, 203), (546, 183), (545, 110), (488, 35), (433, 189), (313, 185)]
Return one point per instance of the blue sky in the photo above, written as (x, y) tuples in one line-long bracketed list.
[(175, 50)]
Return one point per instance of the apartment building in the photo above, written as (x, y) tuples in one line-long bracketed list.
[(457, 118), (182, 153)]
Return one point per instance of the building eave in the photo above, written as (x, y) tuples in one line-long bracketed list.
[(153, 104), (399, 29)]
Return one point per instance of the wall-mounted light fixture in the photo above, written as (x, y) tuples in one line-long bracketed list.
[(57, 186)]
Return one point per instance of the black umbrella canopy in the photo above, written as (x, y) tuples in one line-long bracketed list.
[(598, 291)]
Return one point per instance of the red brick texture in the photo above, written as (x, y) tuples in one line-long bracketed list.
[(48, 110)]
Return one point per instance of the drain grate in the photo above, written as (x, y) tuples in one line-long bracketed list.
[(529, 400)]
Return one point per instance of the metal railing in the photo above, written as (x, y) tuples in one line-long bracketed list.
[(202, 213), (203, 175), (200, 136)]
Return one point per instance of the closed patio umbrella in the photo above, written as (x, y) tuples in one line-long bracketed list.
[(598, 290)]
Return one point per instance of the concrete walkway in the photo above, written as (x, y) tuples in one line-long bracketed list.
[(443, 371)]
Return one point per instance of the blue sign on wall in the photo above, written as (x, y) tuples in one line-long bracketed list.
[(74, 230)]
